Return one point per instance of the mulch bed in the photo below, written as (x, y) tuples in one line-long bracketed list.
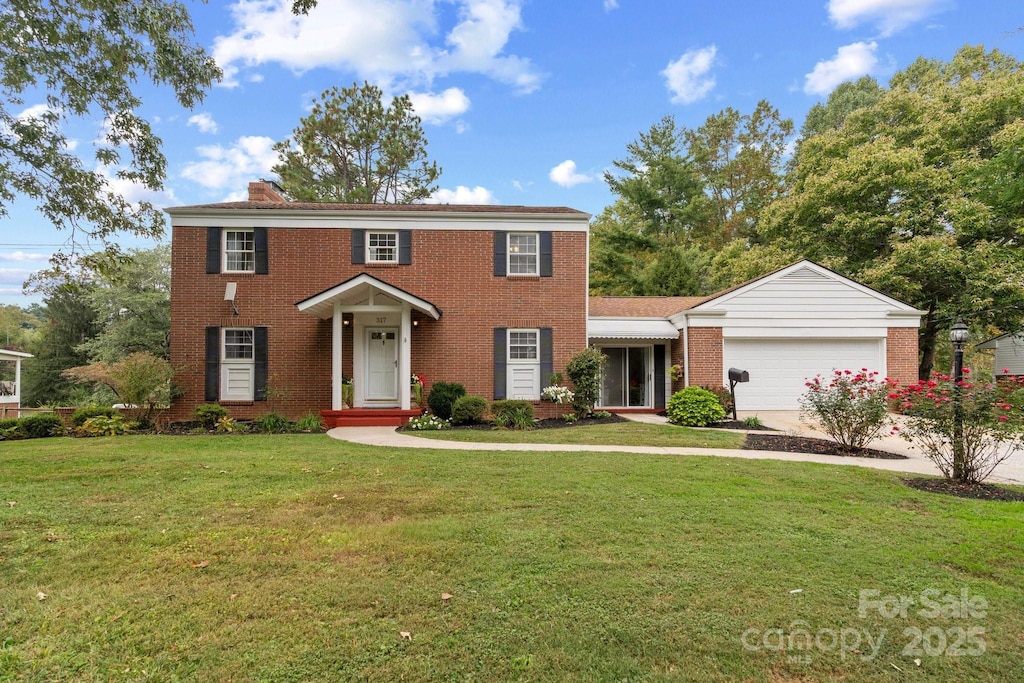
[(740, 424), (961, 490), (803, 444)]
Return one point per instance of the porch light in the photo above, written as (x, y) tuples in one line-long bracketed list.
[(415, 323)]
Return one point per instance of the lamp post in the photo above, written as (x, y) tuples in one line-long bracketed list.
[(958, 334)]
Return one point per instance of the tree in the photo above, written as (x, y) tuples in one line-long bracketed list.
[(352, 149), (68, 321), (739, 159), (919, 194), (84, 60), (847, 98)]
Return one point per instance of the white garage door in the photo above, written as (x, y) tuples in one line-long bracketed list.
[(779, 367)]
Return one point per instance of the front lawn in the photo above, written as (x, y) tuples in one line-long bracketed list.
[(615, 434), (299, 558)]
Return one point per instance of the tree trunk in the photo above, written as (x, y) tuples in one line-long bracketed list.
[(928, 335)]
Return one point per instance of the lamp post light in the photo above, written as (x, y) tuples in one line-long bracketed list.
[(958, 335)]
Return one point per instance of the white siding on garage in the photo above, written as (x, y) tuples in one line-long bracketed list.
[(1009, 355), (779, 367)]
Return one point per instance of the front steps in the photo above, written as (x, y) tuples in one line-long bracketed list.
[(368, 417)]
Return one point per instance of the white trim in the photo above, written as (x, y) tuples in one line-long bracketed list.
[(395, 399), (649, 370), (517, 366), (321, 305), (229, 364), (337, 330), (509, 254), (394, 249), (355, 220), (631, 328)]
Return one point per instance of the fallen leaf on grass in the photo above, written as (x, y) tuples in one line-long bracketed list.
[(797, 590), (51, 538), (405, 635), (11, 503), (446, 596), (306, 470), (337, 497), (200, 565), (917, 661), (40, 596)]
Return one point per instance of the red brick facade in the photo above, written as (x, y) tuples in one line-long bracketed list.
[(901, 354), (452, 269), (705, 349)]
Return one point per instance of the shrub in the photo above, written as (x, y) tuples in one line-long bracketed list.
[(102, 425), (601, 414), (584, 369), (9, 429), (428, 423), (226, 425), (9, 422), (851, 408), (310, 422), (723, 395), (79, 417), (967, 442), (556, 394), (512, 414), (140, 380), (570, 418), (694, 407), (40, 425), (209, 414), (469, 410), (443, 396), (270, 423), (753, 421)]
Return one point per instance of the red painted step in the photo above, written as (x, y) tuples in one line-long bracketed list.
[(368, 417)]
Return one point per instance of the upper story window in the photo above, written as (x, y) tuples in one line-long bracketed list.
[(522, 345), (382, 247), (523, 253), (239, 251)]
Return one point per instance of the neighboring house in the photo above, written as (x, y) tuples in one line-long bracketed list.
[(1009, 356), (10, 381), (782, 328), (276, 305)]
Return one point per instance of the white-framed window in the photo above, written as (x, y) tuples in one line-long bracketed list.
[(523, 374), (239, 251), (238, 364), (523, 253), (382, 247)]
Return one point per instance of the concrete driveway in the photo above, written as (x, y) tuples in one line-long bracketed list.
[(1010, 471)]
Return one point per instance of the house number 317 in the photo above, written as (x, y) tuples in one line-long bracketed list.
[(381, 320)]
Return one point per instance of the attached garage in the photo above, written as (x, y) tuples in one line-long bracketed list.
[(779, 367)]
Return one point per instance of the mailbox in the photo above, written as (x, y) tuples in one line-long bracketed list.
[(737, 375)]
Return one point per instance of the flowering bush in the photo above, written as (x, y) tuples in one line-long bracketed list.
[(851, 408), (557, 394), (965, 438), (428, 423), (675, 372)]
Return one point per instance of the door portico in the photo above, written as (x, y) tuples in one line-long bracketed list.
[(381, 315)]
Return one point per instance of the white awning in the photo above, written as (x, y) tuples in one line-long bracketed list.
[(631, 328)]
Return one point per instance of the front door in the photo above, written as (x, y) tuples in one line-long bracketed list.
[(624, 382), (382, 364)]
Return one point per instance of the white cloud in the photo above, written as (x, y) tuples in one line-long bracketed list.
[(687, 78), (463, 195), (204, 122), (890, 16), (36, 111), (20, 256), (14, 276), (232, 167), (851, 62), (439, 107), (565, 174), (609, 5), (134, 193), (383, 41)]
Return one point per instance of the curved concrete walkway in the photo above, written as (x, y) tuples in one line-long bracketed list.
[(1011, 472)]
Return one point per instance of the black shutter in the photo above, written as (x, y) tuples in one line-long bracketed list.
[(659, 375), (500, 362), (547, 356), (404, 247), (358, 246), (259, 338), (212, 364), (545, 254), (500, 247), (212, 250), (259, 236)]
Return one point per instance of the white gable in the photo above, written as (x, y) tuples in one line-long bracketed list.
[(803, 300)]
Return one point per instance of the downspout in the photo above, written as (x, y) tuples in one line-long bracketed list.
[(685, 331)]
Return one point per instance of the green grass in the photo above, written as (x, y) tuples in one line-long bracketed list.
[(615, 434), (299, 558)]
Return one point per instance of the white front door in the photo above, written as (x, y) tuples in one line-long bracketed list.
[(382, 364)]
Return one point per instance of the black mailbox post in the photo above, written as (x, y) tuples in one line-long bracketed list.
[(735, 377)]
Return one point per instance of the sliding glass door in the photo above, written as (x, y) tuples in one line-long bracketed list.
[(625, 378)]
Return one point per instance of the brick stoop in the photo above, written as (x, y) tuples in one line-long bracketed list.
[(368, 417)]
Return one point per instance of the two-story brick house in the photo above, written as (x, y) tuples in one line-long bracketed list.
[(277, 304)]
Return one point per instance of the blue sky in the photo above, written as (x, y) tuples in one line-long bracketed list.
[(523, 101)]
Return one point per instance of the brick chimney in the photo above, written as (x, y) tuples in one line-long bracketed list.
[(266, 191)]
